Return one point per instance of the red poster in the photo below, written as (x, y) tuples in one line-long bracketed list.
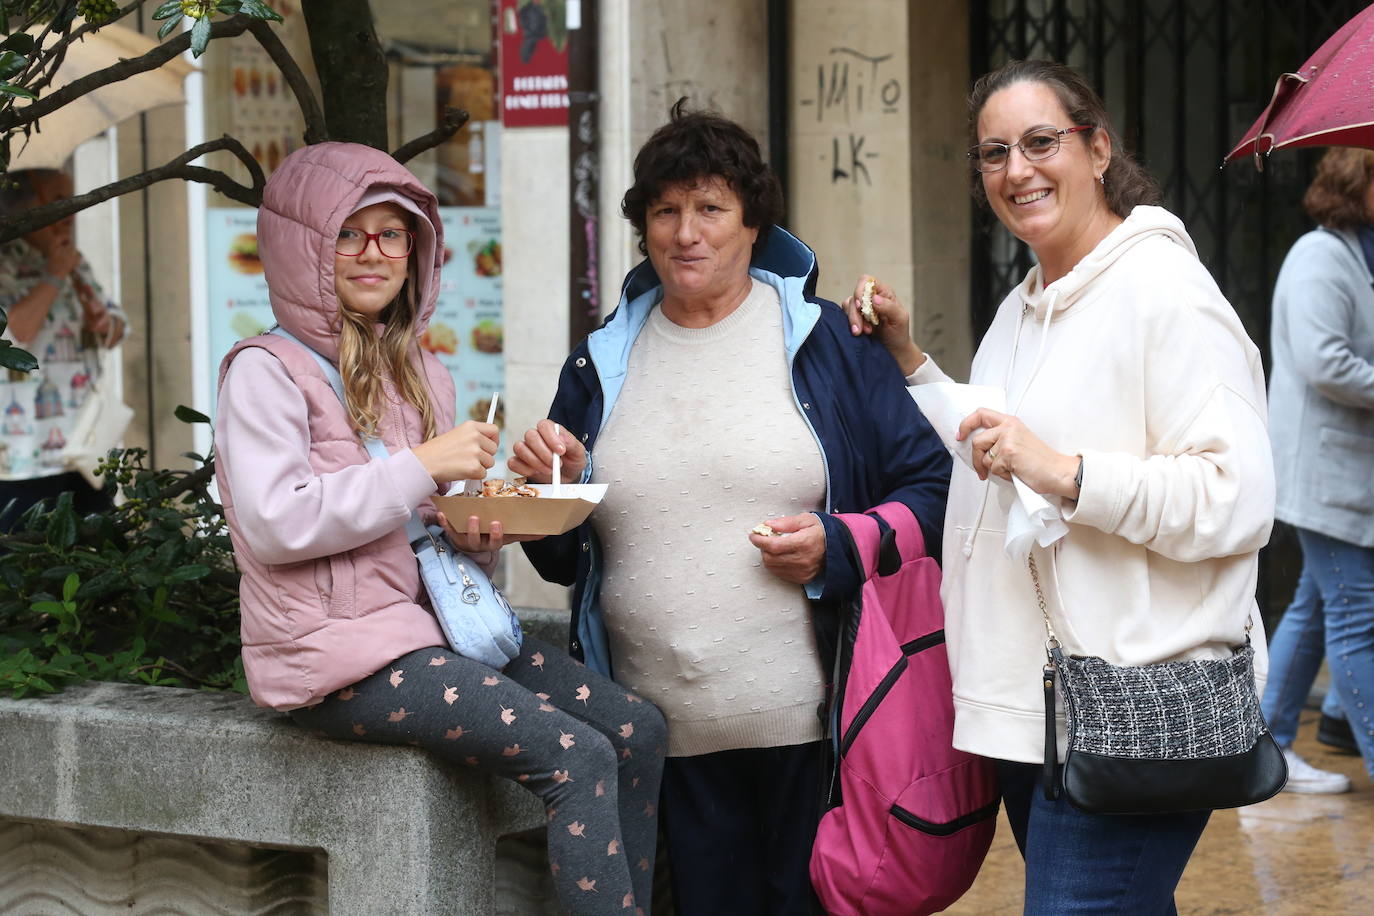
[(534, 63)]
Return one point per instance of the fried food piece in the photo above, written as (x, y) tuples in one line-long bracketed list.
[(866, 303), (498, 487), (764, 530)]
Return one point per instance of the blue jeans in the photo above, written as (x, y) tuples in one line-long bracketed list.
[(1344, 573), (1295, 655), (1094, 863)]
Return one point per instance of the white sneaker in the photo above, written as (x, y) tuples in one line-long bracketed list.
[(1306, 779)]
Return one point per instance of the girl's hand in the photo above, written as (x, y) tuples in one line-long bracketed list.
[(463, 453), (532, 456), (1003, 446), (894, 323)]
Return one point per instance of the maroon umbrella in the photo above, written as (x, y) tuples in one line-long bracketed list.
[(1328, 102)]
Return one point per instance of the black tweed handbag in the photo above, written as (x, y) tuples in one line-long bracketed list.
[(1157, 739)]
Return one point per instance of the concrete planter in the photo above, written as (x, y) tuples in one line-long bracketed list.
[(121, 798)]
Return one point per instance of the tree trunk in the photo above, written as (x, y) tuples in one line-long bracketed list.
[(352, 69)]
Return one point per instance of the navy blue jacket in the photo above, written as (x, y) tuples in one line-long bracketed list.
[(876, 444)]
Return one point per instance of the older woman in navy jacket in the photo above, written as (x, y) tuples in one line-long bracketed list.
[(722, 395)]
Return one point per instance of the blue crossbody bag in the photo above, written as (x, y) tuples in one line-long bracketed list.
[(476, 619)]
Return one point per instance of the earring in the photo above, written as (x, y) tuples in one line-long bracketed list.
[(1103, 178)]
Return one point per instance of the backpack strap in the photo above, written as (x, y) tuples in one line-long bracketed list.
[(910, 541), (866, 537)]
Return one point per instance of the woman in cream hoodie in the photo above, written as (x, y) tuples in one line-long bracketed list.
[(1135, 402)]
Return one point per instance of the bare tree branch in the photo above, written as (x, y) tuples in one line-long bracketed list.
[(452, 122), (315, 130), (18, 117), (26, 222)]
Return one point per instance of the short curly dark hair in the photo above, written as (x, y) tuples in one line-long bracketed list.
[(697, 145)]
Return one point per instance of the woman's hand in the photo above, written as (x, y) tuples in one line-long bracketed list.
[(797, 552), (485, 549), (894, 324), (61, 257), (107, 327), (532, 456), (1003, 446), (463, 453)]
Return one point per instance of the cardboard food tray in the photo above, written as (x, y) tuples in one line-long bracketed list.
[(540, 514)]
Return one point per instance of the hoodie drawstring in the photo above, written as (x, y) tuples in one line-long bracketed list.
[(967, 547)]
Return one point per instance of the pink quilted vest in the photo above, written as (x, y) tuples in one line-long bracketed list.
[(313, 627), (913, 817)]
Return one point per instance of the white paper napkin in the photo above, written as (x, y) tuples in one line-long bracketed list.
[(1031, 518)]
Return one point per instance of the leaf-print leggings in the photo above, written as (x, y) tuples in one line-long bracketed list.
[(590, 749)]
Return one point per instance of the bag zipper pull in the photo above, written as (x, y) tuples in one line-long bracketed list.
[(441, 552)]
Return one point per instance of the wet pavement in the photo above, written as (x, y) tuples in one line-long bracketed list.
[(1294, 855)]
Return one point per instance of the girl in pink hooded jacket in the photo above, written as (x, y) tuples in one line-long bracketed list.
[(336, 628)]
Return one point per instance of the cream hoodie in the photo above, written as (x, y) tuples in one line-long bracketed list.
[(1148, 374)]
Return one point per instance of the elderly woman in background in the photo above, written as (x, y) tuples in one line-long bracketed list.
[(1135, 401), (58, 312), (720, 394), (1321, 409)]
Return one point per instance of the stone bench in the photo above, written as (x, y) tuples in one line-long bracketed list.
[(393, 829)]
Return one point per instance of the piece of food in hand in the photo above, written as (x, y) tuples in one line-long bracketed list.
[(866, 303), (499, 487), (764, 530)]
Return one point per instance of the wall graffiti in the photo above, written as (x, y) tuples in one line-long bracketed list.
[(852, 90)]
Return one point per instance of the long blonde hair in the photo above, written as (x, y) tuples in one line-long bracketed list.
[(365, 358)]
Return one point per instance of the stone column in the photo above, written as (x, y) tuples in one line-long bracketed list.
[(653, 52), (157, 348), (878, 181)]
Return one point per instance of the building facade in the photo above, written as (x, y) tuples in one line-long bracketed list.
[(859, 104)]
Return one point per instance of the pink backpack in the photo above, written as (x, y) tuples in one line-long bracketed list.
[(911, 818)]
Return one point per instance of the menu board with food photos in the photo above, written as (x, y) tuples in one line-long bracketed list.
[(263, 113), (467, 329), (237, 292)]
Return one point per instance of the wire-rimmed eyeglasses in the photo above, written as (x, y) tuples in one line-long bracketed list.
[(392, 243), (1037, 144)]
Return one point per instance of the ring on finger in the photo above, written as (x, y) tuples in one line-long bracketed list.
[(992, 454)]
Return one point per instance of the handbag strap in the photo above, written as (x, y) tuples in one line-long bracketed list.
[(1054, 659), (1049, 768), (376, 449)]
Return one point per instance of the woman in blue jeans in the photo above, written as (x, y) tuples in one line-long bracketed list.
[(1137, 409), (1321, 422)]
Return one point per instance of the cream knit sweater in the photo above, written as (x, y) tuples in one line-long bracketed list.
[(706, 441), (1148, 374)]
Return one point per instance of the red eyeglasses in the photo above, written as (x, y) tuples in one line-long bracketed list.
[(392, 243)]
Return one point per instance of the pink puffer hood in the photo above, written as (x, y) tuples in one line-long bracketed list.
[(304, 203)]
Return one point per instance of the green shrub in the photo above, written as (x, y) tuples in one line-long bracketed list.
[(146, 592)]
